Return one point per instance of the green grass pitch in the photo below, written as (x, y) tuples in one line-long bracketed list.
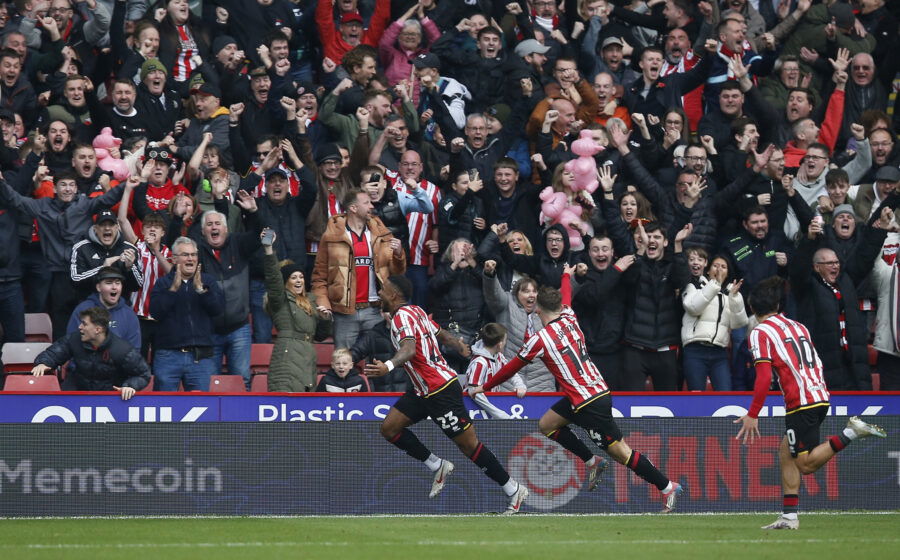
[(733, 537)]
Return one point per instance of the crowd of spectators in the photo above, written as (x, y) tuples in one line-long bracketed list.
[(182, 176)]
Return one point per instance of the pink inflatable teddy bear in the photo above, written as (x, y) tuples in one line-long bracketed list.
[(584, 168), (105, 144), (556, 209)]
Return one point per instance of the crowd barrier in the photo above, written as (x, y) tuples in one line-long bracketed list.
[(201, 467)]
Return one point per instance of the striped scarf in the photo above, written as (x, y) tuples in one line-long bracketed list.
[(894, 307), (842, 316)]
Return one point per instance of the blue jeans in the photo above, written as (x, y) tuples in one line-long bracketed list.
[(743, 375), (262, 323), (172, 366), (236, 347), (418, 275), (348, 327), (12, 311), (701, 361)]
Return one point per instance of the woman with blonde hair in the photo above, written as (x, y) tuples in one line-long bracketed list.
[(294, 315)]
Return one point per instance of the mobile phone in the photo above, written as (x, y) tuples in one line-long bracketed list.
[(375, 177)]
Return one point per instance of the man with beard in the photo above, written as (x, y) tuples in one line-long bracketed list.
[(732, 43), (871, 196), (123, 117), (679, 57), (58, 156), (360, 65), (160, 107), (378, 104), (825, 289), (654, 94), (885, 152), (104, 246), (600, 307)]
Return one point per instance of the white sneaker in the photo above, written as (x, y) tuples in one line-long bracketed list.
[(440, 477), (516, 500), (863, 429), (595, 472), (783, 523), (670, 497)]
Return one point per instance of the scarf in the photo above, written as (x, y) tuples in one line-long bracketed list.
[(842, 316), (894, 308)]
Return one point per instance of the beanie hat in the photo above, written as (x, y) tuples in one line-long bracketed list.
[(150, 65)]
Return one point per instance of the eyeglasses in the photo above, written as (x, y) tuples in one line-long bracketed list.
[(554, 240), (881, 144), (59, 10), (830, 263), (695, 158), (194, 254), (815, 157)]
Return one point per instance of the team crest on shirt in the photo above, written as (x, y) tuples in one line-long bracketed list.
[(553, 475)]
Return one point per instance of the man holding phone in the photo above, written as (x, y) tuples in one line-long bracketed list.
[(393, 206)]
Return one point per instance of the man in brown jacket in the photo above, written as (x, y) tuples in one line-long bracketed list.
[(356, 255)]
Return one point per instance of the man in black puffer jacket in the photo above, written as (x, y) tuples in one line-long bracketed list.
[(825, 290), (652, 311), (103, 361), (375, 344)]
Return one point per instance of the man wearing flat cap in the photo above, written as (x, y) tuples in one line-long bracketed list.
[(869, 197)]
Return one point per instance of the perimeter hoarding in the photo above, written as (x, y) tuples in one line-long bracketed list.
[(268, 407), (252, 468)]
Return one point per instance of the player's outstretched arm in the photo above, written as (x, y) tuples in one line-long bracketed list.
[(749, 429), (457, 344)]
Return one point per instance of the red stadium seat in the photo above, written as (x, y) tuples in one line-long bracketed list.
[(38, 328), (319, 379), (31, 383), (876, 382), (149, 387), (260, 358), (19, 356), (227, 384), (323, 355), (873, 356), (259, 383)]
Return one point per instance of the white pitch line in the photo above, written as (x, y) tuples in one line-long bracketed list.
[(439, 515), (432, 543)]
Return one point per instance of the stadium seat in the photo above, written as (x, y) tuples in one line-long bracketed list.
[(260, 358), (876, 382), (227, 384), (259, 383), (149, 387), (31, 383), (323, 355), (873, 356), (38, 327), (18, 357)]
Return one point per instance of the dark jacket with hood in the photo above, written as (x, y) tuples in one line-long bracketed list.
[(114, 363), (458, 298), (601, 309)]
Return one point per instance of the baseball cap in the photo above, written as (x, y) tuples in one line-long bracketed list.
[(842, 14), (530, 46), (427, 60), (276, 171), (207, 89), (105, 216), (351, 17), (611, 41), (109, 273), (843, 209), (889, 173)]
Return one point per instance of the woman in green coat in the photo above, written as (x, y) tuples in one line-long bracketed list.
[(293, 365)]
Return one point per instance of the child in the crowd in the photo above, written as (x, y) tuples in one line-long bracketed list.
[(487, 359), (342, 377)]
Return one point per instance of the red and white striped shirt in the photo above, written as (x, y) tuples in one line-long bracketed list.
[(560, 345), (151, 270), (187, 48), (787, 346), (428, 370), (421, 226), (482, 368)]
